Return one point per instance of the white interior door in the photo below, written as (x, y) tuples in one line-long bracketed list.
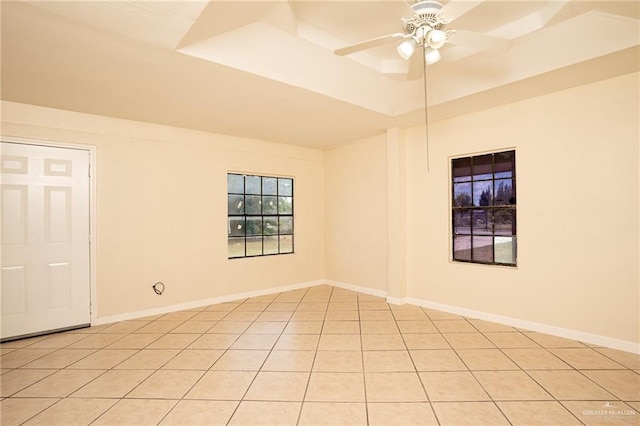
[(45, 282)]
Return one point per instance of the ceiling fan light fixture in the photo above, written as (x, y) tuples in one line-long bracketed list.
[(406, 48), (436, 39), (431, 56)]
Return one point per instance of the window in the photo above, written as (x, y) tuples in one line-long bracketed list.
[(484, 208), (260, 215)]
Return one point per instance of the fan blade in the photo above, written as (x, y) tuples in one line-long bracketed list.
[(456, 53), (416, 65), (456, 8), (368, 44), (479, 41)]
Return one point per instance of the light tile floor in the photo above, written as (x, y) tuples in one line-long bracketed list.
[(317, 356)]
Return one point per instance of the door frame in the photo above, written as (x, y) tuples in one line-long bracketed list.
[(93, 277)]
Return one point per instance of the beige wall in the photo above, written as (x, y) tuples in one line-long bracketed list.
[(578, 215), (162, 208), (355, 197)]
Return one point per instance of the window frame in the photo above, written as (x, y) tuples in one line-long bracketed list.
[(265, 217), (469, 212)]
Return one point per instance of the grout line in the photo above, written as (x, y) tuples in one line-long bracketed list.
[(364, 376), (270, 350), (226, 314), (471, 372), (315, 355), (424, 388)]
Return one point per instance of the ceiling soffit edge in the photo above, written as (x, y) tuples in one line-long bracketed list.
[(278, 55)]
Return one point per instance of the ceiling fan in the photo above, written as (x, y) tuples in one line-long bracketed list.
[(426, 28)]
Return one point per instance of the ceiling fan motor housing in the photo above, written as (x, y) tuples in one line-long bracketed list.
[(425, 8), (427, 17)]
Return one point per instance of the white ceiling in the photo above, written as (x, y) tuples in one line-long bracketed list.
[(266, 69)]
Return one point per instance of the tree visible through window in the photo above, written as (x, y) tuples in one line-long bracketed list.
[(260, 215), (484, 208)]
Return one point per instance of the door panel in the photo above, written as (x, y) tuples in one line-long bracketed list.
[(14, 291), (59, 287), (45, 239), (57, 215), (14, 215)]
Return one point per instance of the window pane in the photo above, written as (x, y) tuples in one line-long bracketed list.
[(461, 247), (269, 186), (269, 205), (505, 250), (285, 186), (505, 164), (482, 222), (286, 243), (235, 184), (505, 195), (504, 222), (236, 247), (483, 249), (462, 222), (462, 195), (253, 185), (461, 169), (254, 225), (270, 245), (286, 225), (285, 205), (236, 226), (483, 193), (484, 208), (253, 204), (254, 246), (259, 215), (482, 167), (270, 226), (235, 204)]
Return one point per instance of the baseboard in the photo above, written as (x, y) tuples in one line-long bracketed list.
[(204, 302), (590, 338), (593, 339), (397, 300), (357, 289)]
